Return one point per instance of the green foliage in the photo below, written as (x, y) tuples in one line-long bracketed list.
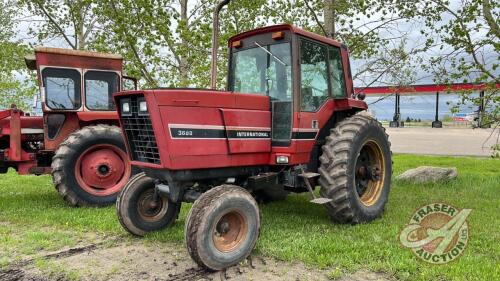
[(495, 151), (168, 42), (467, 38), (16, 83), (71, 21)]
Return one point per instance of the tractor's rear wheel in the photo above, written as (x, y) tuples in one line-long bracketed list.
[(356, 170), (91, 166), (222, 227), (140, 210)]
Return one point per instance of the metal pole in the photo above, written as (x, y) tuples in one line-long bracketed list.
[(395, 119), (215, 43), (436, 123), (437, 107), (481, 110)]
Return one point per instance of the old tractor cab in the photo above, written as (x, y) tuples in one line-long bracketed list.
[(76, 139)]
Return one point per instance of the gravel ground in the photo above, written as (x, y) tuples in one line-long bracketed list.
[(443, 141)]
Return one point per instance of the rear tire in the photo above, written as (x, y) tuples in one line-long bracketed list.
[(91, 166), (356, 170), (222, 227), (134, 209)]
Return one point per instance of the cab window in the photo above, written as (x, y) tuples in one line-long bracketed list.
[(313, 75), (99, 89), (336, 72), (62, 88), (264, 70)]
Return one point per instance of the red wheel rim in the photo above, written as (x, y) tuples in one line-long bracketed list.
[(102, 169)]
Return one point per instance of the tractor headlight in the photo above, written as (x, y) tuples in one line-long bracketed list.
[(143, 106), (281, 159), (125, 107)]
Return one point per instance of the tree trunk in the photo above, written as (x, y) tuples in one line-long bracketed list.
[(80, 34), (329, 12), (490, 20), (183, 63)]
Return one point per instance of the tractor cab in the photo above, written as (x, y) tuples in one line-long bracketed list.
[(75, 87), (305, 76)]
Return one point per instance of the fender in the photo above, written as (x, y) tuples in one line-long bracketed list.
[(89, 116), (350, 104)]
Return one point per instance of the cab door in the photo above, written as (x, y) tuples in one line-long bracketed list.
[(266, 69), (321, 81)]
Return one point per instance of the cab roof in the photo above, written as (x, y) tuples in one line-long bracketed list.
[(86, 57), (289, 27)]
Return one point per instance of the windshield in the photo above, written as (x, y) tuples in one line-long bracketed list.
[(263, 70), (62, 88), (99, 89)]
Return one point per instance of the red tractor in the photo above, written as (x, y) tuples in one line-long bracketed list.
[(287, 121), (77, 138)]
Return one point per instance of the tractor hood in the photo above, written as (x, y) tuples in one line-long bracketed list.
[(185, 126), (208, 98)]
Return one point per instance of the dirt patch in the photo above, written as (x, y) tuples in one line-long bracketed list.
[(364, 275), (19, 275), (166, 262), (137, 260)]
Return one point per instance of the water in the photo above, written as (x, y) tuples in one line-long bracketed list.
[(421, 107)]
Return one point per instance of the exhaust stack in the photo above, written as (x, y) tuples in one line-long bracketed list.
[(215, 42)]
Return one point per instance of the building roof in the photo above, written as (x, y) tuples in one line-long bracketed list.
[(423, 89)]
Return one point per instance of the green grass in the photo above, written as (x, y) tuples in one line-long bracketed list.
[(295, 230), (57, 271)]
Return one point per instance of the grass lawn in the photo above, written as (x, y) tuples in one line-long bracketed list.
[(293, 230)]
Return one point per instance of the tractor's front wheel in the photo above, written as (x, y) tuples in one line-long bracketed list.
[(356, 170), (222, 227), (91, 166), (141, 209)]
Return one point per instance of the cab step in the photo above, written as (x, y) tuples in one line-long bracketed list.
[(321, 200), (310, 175)]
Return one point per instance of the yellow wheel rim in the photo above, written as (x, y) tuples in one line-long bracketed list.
[(370, 173)]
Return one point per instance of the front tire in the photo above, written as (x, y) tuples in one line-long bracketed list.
[(222, 227), (140, 210), (356, 170), (91, 166)]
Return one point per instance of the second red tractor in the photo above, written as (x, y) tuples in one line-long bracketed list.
[(77, 139)]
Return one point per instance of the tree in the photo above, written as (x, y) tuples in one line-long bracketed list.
[(372, 29), (466, 36), (71, 21), (16, 83), (168, 41)]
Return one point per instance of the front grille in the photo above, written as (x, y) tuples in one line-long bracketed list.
[(140, 134)]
